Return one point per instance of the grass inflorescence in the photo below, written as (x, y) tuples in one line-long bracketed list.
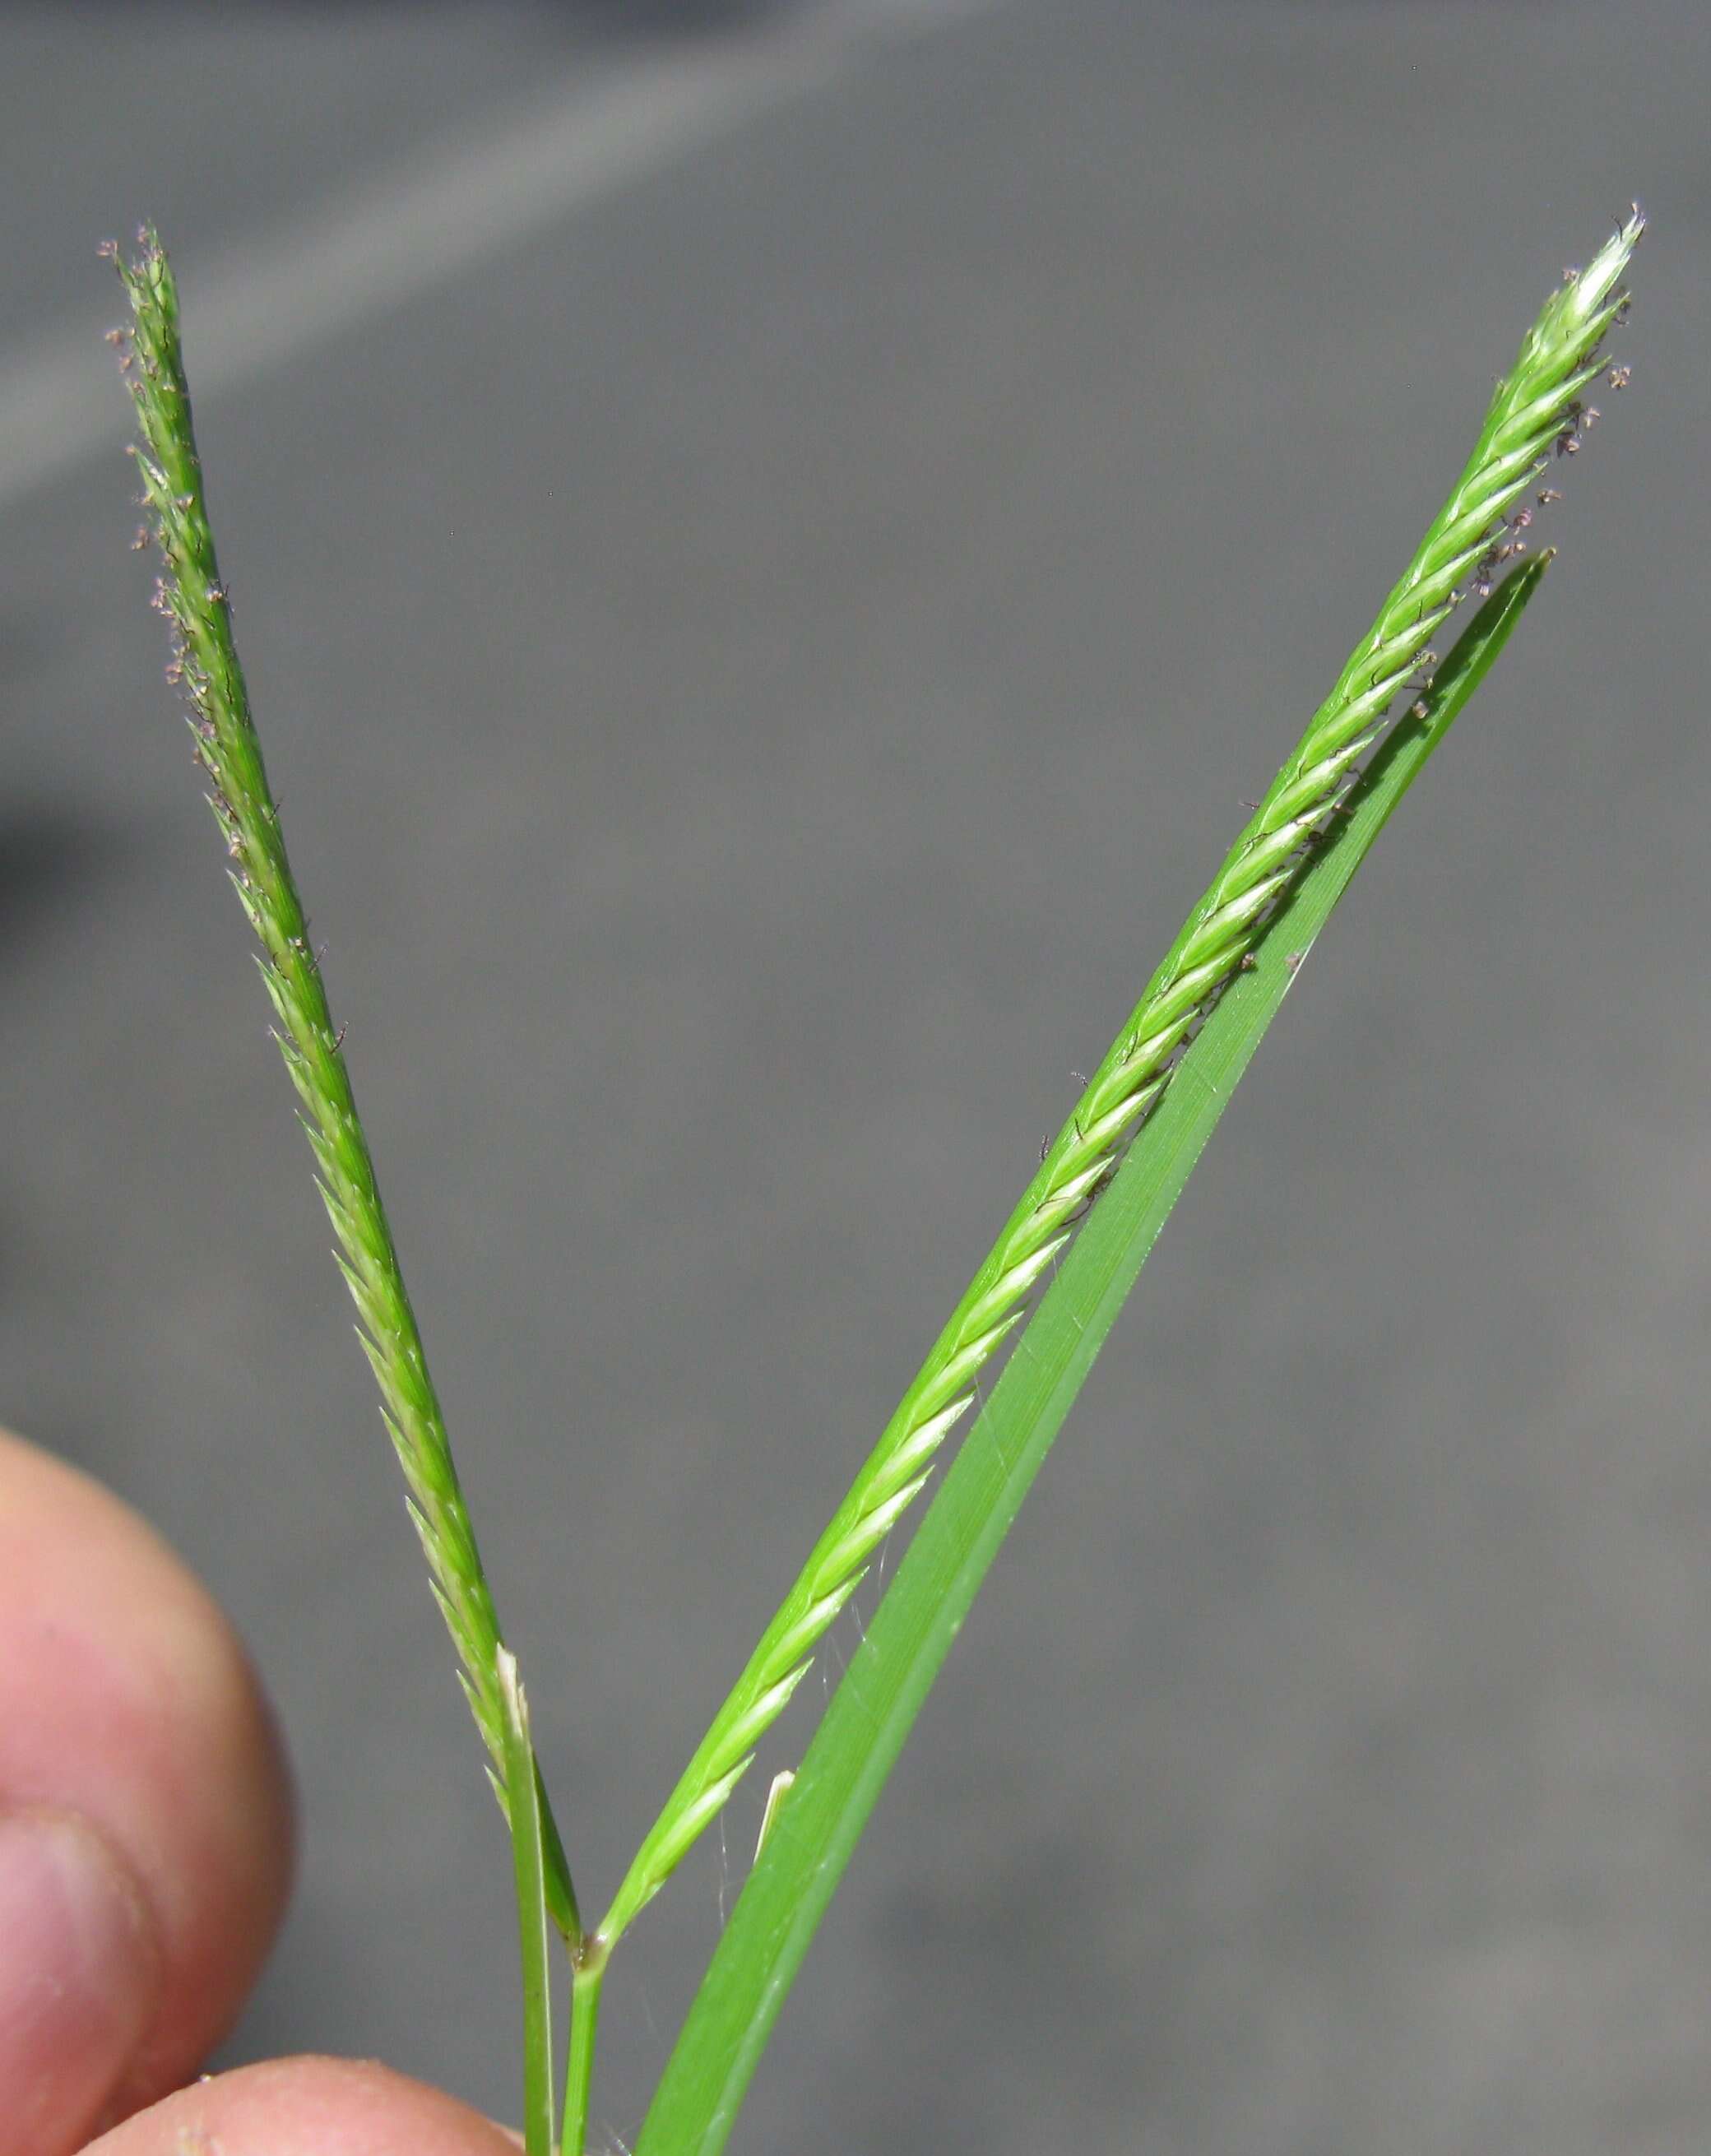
[(1287, 861), (192, 595), (1536, 413)]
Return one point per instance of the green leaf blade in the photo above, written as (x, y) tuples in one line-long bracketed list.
[(871, 1712)]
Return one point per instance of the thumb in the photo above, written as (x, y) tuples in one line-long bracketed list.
[(308, 2107), (145, 1822)]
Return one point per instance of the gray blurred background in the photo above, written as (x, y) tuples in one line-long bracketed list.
[(769, 543)]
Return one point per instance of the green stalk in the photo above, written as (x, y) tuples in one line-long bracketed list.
[(1536, 407), (579, 2068), (904, 1644), (192, 595), (529, 1864)]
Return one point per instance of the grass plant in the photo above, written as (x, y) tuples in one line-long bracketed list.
[(1088, 1219)]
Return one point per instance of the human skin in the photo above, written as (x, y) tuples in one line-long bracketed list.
[(146, 1852)]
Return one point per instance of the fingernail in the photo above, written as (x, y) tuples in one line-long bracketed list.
[(77, 1966)]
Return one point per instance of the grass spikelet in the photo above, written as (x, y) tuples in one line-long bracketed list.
[(1536, 413), (193, 598)]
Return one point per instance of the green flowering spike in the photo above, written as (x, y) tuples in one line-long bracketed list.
[(193, 598), (1535, 413)]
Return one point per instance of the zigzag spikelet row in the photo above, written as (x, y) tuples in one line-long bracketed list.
[(205, 664), (1536, 409)]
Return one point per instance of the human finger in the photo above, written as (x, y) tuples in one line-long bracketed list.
[(308, 2107), (145, 1811)]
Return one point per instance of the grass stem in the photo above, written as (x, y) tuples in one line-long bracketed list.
[(579, 2067), (528, 1863)]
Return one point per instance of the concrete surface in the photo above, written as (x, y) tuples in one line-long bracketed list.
[(769, 544)]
